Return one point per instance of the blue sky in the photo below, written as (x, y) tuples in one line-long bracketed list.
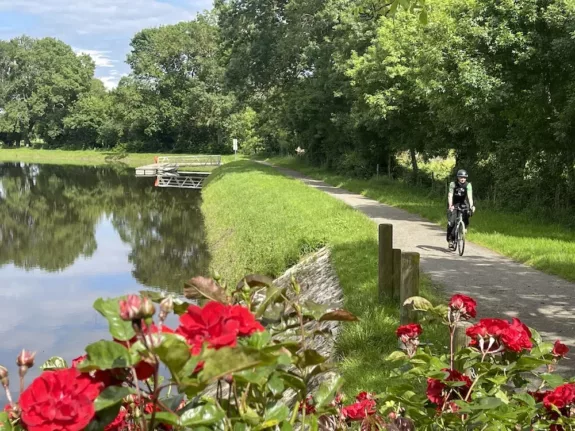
[(100, 28)]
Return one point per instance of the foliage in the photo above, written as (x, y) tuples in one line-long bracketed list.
[(229, 370), (532, 238), (277, 222), (502, 379)]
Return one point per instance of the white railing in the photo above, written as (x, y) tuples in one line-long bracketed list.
[(199, 160)]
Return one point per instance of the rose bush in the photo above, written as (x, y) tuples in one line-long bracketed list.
[(501, 378), (243, 358)]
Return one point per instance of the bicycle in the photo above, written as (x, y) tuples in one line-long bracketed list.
[(460, 230)]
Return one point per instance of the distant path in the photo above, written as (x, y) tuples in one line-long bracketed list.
[(502, 288)]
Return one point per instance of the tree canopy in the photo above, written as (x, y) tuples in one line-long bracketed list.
[(353, 82)]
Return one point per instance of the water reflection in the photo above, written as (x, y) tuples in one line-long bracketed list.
[(69, 235)]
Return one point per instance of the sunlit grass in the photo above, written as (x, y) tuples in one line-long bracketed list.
[(86, 157), (547, 246), (260, 221)]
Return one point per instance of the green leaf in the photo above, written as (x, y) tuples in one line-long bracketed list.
[(542, 350), (314, 310), (165, 418), (486, 403), (535, 336), (553, 380), (255, 280), (418, 303), (292, 380), (173, 351), (173, 402), (54, 363), (310, 357), (258, 340), (105, 355), (110, 309), (327, 391), (526, 398), (103, 418), (224, 361), (527, 363), (201, 287), (339, 316), (274, 416), (5, 424), (111, 396), (286, 426), (276, 385), (393, 7), (272, 294), (202, 415), (398, 355), (423, 16)]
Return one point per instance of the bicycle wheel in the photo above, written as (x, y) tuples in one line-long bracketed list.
[(461, 238)]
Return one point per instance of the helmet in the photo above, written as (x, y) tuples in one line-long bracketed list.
[(462, 173)]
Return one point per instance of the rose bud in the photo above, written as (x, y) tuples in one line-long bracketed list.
[(147, 308), (130, 308), (25, 359), (4, 376), (166, 307)]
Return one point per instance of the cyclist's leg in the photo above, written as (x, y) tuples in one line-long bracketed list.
[(451, 220), (466, 218)]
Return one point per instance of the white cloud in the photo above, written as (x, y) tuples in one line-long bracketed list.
[(111, 81), (103, 16), (99, 57)]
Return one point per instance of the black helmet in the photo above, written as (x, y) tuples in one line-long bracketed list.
[(462, 173)]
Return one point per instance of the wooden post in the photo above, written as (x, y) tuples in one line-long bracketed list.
[(385, 263), (396, 279), (409, 286), (460, 340)]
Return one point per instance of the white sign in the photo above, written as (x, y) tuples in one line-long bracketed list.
[(235, 145)]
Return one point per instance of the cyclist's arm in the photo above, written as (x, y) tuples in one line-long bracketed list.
[(470, 195), (450, 194)]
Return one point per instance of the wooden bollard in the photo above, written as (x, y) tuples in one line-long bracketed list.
[(409, 286), (460, 340), (385, 262), (396, 278)]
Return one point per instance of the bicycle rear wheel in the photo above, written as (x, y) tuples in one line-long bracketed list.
[(461, 238)]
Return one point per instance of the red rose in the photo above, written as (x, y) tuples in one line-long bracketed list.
[(517, 336), (119, 423), (514, 336), (464, 305), (411, 330), (560, 349), (439, 393), (560, 397), (217, 324), (59, 400), (359, 410)]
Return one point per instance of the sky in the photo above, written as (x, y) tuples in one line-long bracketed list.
[(101, 28)]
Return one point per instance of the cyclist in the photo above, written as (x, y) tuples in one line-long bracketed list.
[(460, 196)]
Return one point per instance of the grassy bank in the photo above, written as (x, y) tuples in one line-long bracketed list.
[(260, 221), (545, 246), (82, 157)]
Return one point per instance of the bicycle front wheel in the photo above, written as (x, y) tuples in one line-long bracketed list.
[(461, 238)]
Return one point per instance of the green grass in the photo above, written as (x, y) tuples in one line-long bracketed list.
[(83, 157), (258, 220), (549, 247)]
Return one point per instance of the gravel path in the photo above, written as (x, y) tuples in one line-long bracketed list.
[(502, 288)]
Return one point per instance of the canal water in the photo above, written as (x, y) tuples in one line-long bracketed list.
[(72, 234)]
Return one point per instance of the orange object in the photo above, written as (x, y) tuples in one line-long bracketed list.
[(155, 159), (157, 182)]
